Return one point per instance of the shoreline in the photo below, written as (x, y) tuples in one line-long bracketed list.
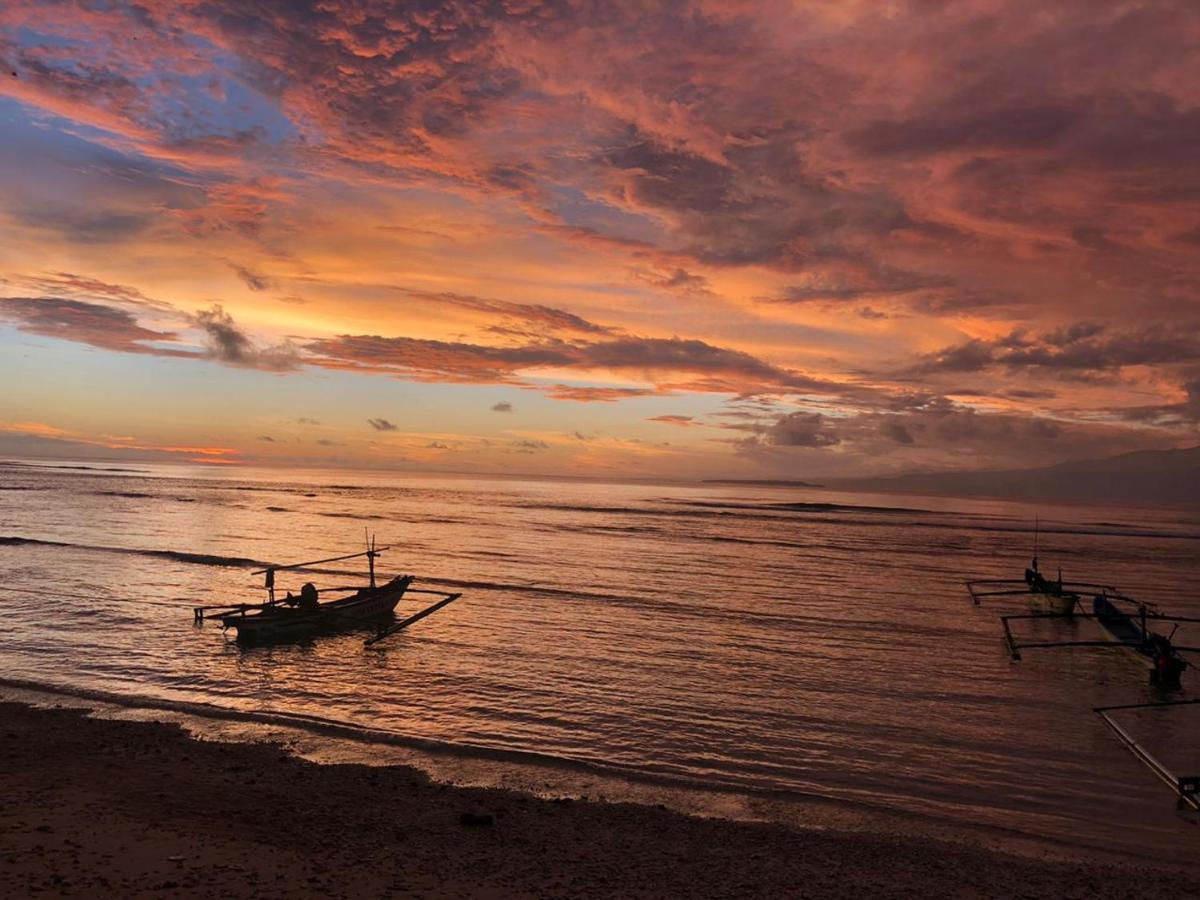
[(113, 807), (335, 742)]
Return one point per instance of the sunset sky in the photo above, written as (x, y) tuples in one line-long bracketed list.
[(707, 239)]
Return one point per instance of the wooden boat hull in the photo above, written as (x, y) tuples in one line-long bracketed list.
[(281, 624), (1120, 627), (1153, 651), (1054, 604)]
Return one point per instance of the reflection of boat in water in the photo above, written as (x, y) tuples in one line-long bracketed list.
[(298, 618)]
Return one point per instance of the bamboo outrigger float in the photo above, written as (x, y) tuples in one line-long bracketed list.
[(1187, 787), (298, 618)]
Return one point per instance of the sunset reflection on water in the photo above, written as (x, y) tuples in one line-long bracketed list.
[(718, 637)]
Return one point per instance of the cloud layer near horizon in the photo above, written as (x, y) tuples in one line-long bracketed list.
[(925, 233)]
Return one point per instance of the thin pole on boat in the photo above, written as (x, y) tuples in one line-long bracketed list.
[(200, 612), (371, 554), (317, 562), (1035, 544)]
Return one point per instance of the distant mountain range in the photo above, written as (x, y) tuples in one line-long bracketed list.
[(1144, 476)]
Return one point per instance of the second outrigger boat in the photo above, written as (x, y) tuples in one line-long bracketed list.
[(298, 618), (1050, 596), (1125, 628)]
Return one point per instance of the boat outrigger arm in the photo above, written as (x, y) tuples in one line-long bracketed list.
[(990, 587), (446, 600), (1126, 630), (1015, 647), (1186, 787)]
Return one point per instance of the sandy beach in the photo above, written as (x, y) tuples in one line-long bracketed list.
[(98, 808)]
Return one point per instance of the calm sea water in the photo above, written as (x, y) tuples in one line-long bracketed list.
[(801, 655)]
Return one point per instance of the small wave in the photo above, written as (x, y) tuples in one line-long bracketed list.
[(695, 508), (132, 495), (618, 510), (28, 465), (206, 559), (803, 507), (278, 509), (338, 515)]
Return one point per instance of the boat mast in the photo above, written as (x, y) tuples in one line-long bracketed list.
[(1035, 543), (371, 554)]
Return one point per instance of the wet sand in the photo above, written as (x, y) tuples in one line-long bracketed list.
[(96, 808)]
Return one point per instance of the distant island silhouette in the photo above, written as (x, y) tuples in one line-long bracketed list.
[(1143, 476), (761, 482)]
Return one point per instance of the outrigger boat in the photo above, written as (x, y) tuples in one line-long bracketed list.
[(1123, 629), (289, 618), (1048, 596)]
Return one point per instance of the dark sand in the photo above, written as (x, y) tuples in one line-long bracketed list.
[(95, 808)]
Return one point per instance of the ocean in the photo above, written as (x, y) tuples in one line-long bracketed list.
[(790, 654)]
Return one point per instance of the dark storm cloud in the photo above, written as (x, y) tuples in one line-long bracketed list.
[(801, 429), (961, 127), (534, 316), (762, 212), (595, 394), (74, 285), (661, 177), (677, 354), (1104, 130), (941, 434), (708, 367), (423, 359), (897, 432), (1081, 348), (679, 280), (252, 279), (88, 226), (227, 343), (93, 324)]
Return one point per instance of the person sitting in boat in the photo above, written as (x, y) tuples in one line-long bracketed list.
[(308, 596)]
